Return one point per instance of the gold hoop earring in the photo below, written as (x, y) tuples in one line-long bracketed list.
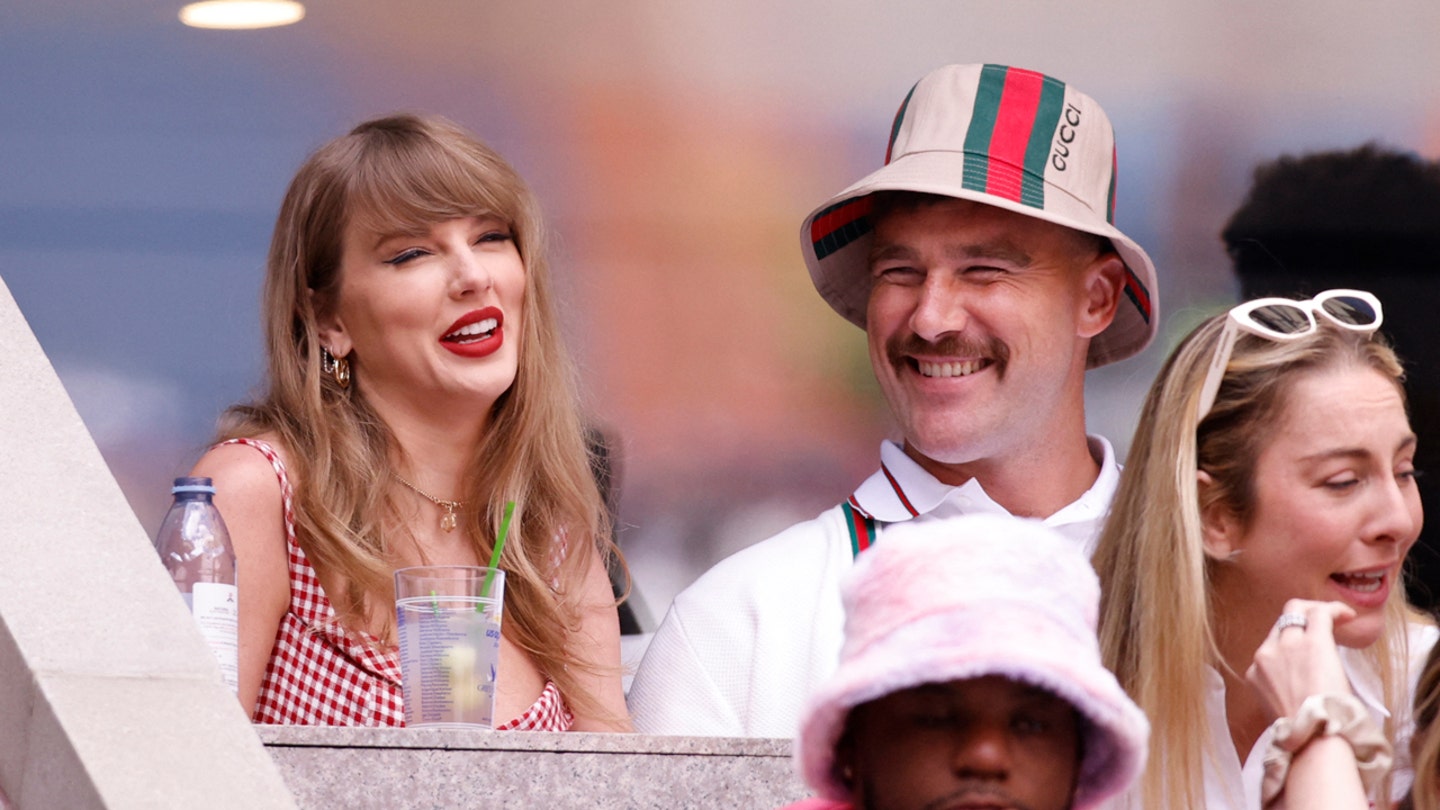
[(342, 372), (337, 367)]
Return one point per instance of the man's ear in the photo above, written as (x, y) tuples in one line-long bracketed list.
[(329, 328), (1220, 531), (1103, 281)]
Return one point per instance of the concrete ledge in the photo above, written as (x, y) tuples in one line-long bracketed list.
[(410, 768)]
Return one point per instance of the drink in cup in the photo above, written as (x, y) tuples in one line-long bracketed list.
[(449, 627)]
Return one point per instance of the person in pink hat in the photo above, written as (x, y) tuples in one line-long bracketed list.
[(970, 676), (983, 264)]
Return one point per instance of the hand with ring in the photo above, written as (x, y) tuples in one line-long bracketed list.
[(1291, 620), (1299, 657)]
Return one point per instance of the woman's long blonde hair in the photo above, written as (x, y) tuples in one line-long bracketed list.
[(408, 172), (1156, 605)]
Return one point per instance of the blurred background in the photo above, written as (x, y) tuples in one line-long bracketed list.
[(676, 147)]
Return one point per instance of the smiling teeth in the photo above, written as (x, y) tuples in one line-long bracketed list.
[(1364, 583), (474, 330), (960, 369)]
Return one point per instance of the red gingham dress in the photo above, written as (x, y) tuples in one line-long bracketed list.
[(321, 674)]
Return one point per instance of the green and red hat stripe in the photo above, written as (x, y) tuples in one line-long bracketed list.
[(846, 221), (839, 225), (1012, 123), (895, 125), (1007, 144), (1138, 295)]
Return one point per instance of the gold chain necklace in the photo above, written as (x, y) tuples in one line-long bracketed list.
[(447, 520)]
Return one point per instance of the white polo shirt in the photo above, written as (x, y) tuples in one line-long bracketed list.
[(742, 649)]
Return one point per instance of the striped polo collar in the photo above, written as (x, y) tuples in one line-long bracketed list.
[(902, 490)]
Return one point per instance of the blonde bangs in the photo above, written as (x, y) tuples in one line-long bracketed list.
[(404, 184)]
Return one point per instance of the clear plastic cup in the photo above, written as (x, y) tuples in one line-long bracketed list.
[(449, 628)]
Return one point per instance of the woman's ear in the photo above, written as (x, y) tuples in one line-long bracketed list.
[(329, 328), (1220, 531)]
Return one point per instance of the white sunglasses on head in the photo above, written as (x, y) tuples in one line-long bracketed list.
[(1282, 319)]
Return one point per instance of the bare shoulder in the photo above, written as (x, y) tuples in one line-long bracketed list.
[(249, 497), (242, 473), (244, 460)]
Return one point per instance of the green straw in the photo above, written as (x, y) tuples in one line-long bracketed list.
[(499, 544)]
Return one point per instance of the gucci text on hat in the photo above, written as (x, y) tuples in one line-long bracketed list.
[(1002, 136)]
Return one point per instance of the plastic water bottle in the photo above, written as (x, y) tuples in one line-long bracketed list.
[(195, 548)]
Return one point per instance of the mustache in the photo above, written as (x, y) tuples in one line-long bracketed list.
[(898, 348), (976, 793)]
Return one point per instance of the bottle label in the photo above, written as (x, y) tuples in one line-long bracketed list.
[(216, 609)]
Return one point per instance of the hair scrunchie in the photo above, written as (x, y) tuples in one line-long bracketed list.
[(1323, 715)]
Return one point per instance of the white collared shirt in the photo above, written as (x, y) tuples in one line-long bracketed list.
[(914, 491), (742, 649), (1230, 785)]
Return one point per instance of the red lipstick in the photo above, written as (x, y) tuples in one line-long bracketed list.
[(477, 333)]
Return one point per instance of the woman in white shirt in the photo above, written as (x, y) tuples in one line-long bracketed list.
[(1273, 461), (1297, 670)]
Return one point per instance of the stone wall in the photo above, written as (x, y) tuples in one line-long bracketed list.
[(424, 768)]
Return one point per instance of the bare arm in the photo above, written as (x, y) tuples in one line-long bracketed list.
[(247, 494), (1291, 665), (1323, 777), (598, 644)]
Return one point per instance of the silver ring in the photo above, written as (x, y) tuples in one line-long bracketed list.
[(1291, 620)]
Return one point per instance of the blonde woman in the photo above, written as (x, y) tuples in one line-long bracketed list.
[(416, 383), (1273, 461)]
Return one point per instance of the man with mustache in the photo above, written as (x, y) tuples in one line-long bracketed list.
[(983, 264), (970, 677)]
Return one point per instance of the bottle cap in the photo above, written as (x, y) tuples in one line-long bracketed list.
[(193, 485)]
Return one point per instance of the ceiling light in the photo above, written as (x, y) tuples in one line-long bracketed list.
[(236, 14)]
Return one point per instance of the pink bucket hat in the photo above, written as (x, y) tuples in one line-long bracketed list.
[(938, 601), (1006, 137)]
